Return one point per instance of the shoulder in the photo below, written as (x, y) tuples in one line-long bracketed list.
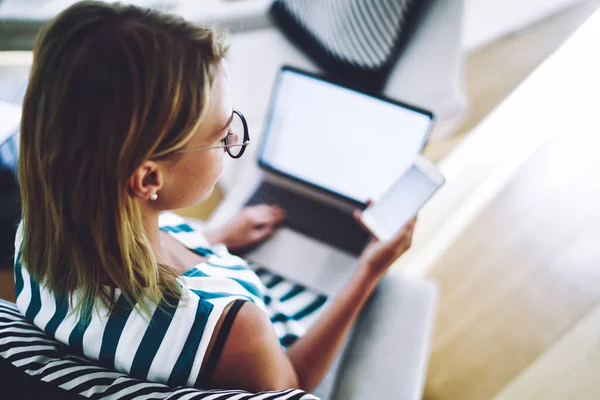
[(251, 326), (251, 357)]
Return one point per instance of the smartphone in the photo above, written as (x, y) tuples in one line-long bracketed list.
[(403, 200)]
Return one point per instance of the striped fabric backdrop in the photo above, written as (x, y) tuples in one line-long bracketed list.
[(35, 353)]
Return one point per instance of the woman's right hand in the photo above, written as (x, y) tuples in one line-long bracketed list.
[(378, 256)]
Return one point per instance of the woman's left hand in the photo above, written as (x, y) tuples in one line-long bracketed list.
[(251, 225)]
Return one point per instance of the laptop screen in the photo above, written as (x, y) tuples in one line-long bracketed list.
[(335, 138)]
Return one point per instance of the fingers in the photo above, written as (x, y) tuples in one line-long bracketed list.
[(405, 235), (265, 215), (278, 212)]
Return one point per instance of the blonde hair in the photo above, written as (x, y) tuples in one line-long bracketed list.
[(111, 86)]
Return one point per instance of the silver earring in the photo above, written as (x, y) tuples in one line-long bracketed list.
[(154, 197)]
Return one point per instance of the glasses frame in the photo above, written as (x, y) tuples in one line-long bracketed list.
[(226, 146)]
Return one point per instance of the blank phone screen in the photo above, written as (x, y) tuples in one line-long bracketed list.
[(402, 202)]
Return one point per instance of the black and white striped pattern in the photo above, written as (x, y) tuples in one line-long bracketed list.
[(292, 307), (171, 346), (33, 352), (363, 33)]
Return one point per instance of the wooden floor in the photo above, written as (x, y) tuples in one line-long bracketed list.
[(519, 309), (520, 278)]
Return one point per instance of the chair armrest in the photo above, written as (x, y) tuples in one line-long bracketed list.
[(388, 352)]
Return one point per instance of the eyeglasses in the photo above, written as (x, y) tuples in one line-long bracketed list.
[(236, 140)]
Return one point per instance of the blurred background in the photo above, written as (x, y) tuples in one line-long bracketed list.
[(460, 59)]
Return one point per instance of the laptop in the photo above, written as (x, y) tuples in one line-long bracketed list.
[(326, 149)]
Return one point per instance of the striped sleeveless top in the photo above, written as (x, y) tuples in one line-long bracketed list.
[(171, 346)]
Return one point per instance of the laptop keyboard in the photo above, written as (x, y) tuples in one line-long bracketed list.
[(314, 219)]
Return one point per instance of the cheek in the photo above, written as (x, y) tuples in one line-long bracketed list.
[(208, 170), (218, 163), (201, 172)]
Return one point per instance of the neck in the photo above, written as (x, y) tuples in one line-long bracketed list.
[(150, 222)]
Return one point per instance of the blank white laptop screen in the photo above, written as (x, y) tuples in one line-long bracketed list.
[(339, 139)]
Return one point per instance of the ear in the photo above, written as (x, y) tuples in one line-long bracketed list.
[(146, 180)]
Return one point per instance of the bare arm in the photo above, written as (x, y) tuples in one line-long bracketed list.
[(314, 352), (252, 358)]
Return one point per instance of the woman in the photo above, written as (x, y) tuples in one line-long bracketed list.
[(127, 115)]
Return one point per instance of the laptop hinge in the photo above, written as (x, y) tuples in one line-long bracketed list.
[(306, 191)]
